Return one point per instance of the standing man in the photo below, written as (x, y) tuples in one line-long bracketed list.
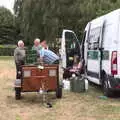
[(37, 45), (19, 56)]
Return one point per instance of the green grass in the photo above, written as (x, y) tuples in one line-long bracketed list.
[(6, 57)]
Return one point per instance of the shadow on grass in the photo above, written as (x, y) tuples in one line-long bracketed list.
[(99, 89), (33, 99), (29, 99)]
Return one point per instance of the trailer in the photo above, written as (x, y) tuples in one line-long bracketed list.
[(36, 77)]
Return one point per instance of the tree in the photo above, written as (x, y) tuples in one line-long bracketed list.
[(47, 18), (7, 26)]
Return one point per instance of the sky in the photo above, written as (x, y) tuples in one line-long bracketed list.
[(8, 4)]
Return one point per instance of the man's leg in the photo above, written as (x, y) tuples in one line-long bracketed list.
[(19, 70)]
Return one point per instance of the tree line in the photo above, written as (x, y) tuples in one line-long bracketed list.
[(47, 18)]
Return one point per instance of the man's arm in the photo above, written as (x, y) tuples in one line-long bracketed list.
[(16, 55), (33, 48), (41, 52)]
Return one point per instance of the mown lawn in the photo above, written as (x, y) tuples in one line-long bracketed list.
[(6, 58), (83, 106)]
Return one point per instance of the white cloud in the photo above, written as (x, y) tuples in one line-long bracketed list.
[(8, 4)]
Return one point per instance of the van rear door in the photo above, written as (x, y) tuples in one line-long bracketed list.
[(70, 46)]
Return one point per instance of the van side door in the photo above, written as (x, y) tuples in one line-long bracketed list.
[(94, 53)]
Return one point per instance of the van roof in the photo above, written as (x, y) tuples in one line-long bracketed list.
[(112, 12), (117, 12)]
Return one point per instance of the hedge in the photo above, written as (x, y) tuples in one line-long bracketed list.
[(7, 50)]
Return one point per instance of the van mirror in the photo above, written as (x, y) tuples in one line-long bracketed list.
[(60, 51)]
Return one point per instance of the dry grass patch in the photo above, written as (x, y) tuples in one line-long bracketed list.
[(83, 106)]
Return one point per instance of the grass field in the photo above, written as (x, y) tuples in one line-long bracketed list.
[(83, 106)]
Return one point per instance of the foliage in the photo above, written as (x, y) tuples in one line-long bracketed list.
[(47, 18), (8, 46), (7, 27), (7, 50)]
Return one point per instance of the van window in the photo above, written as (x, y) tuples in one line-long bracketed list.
[(71, 41), (94, 38), (72, 48)]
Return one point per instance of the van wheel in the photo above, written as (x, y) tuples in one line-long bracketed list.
[(59, 92), (17, 93), (106, 89)]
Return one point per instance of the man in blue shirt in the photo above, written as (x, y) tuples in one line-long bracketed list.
[(48, 56)]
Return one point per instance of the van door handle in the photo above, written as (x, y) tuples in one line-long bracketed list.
[(101, 48)]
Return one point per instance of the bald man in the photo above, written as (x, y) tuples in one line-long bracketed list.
[(19, 56), (36, 45)]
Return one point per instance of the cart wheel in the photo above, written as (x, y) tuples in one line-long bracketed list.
[(17, 93), (59, 92)]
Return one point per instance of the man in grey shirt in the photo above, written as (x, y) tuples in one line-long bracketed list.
[(19, 56)]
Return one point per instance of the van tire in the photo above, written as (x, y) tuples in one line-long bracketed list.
[(59, 92), (106, 90), (17, 93)]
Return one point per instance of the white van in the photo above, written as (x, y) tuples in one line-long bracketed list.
[(101, 51)]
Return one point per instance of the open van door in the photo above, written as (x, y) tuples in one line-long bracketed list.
[(84, 44), (94, 53), (70, 47)]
